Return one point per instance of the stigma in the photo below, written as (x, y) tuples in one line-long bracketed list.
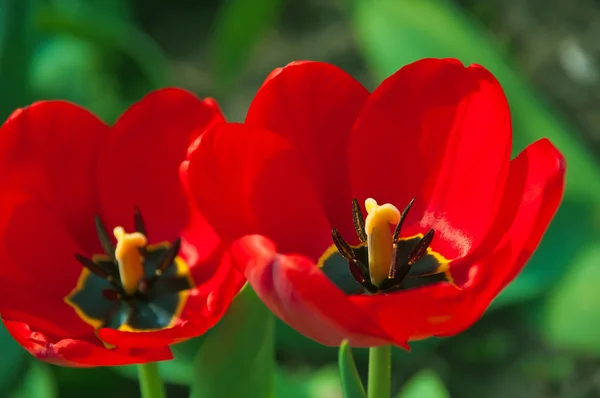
[(379, 238), (129, 258)]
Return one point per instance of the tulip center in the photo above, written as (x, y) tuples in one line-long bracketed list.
[(132, 286), (384, 261)]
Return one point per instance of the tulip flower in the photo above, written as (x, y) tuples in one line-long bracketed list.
[(379, 217), (102, 259)]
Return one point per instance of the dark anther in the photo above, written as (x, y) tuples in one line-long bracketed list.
[(92, 266), (402, 217), (343, 247), (111, 295), (105, 241), (359, 221), (168, 257), (399, 267), (421, 247), (140, 226)]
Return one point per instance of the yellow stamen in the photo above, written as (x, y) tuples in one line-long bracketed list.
[(128, 256), (379, 238)]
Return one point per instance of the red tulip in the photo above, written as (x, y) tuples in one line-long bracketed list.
[(315, 139), (102, 260)]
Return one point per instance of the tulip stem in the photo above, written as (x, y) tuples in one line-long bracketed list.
[(151, 385), (380, 372)]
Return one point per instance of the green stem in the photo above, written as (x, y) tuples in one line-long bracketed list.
[(151, 385), (380, 372)]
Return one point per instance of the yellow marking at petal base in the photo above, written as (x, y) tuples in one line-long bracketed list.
[(93, 322), (379, 238), (127, 253), (331, 250)]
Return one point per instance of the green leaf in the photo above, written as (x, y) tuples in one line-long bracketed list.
[(237, 357), (15, 53), (239, 26), (425, 384), (393, 33), (351, 384), (572, 318), (13, 363), (38, 382), (104, 30), (550, 261)]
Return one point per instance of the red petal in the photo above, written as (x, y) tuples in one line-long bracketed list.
[(534, 189), (49, 150), (38, 268), (533, 193), (314, 105), (139, 166), (302, 296), (77, 353), (442, 133), (248, 180)]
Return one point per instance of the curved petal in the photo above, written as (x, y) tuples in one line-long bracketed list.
[(534, 190), (245, 180), (441, 132), (77, 353), (140, 162), (38, 268), (49, 150), (533, 194), (314, 105), (301, 295)]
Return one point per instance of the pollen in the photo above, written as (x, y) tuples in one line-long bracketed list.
[(379, 238), (129, 258)]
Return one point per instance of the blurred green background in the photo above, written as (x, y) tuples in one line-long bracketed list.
[(541, 338)]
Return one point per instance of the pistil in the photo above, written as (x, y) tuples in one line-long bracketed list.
[(379, 238), (127, 254)]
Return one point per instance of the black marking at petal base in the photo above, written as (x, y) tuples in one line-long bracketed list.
[(421, 247), (101, 303), (342, 246), (402, 218), (359, 221), (107, 244)]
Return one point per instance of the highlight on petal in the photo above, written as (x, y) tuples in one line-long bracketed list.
[(532, 196), (439, 132)]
